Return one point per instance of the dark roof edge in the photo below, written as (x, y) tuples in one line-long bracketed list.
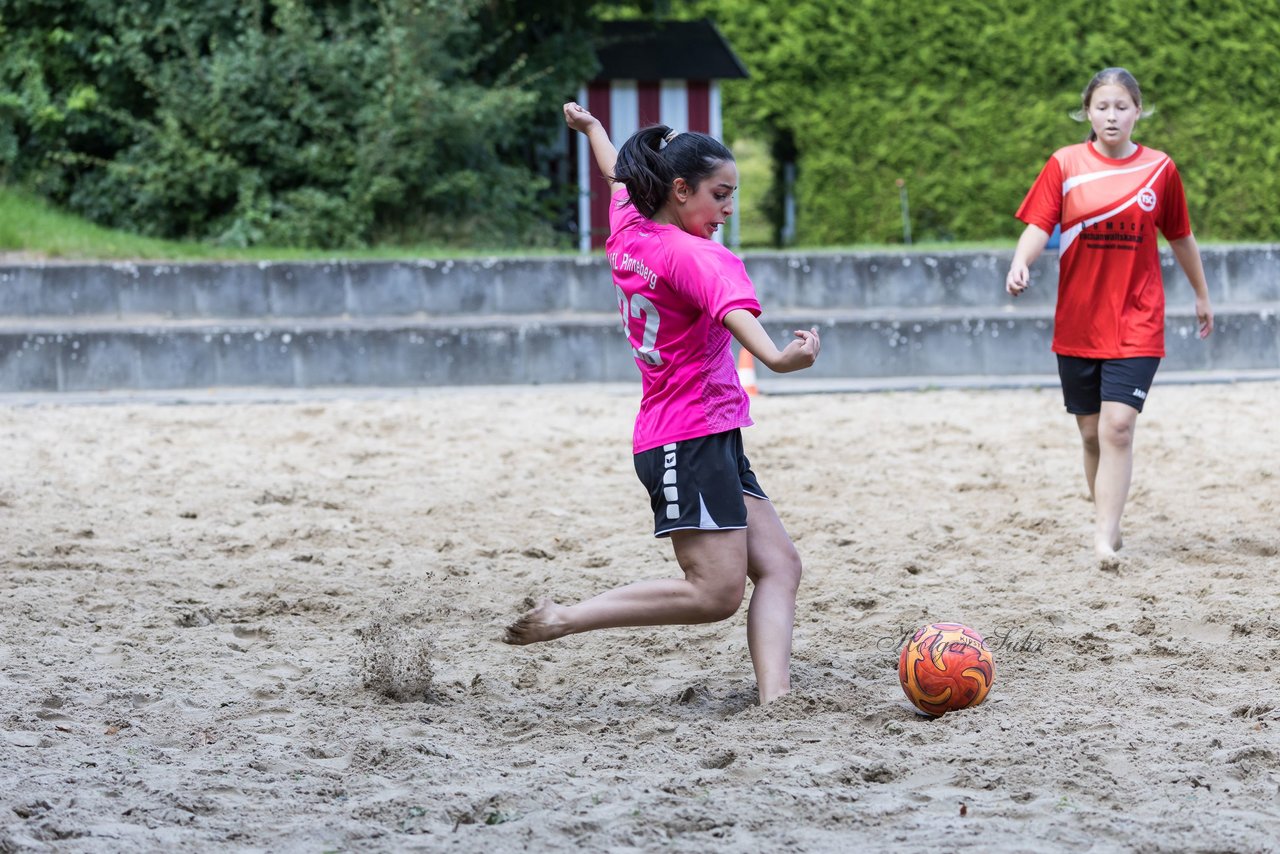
[(653, 50)]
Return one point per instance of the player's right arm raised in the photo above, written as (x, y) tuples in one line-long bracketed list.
[(606, 156)]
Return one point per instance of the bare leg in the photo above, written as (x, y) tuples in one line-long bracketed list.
[(1088, 425), (774, 568), (1116, 424), (715, 578)]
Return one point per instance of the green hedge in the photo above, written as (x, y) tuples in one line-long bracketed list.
[(291, 122), (341, 123), (966, 101)]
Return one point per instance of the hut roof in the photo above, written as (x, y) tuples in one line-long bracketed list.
[(658, 50)]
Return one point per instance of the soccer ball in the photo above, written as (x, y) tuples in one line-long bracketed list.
[(945, 667)]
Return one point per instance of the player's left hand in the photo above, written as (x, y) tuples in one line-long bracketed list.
[(803, 351), (810, 341)]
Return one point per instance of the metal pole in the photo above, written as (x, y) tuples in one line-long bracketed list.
[(788, 204), (584, 182)]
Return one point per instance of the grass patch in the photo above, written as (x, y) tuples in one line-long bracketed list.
[(917, 247), (33, 227)]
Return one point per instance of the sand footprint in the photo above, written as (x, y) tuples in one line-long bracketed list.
[(283, 670)]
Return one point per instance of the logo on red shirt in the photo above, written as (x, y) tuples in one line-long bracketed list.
[(1147, 199)]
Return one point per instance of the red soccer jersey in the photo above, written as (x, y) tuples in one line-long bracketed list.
[(1110, 292)]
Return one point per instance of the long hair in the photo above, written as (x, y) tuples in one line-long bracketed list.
[(1115, 76), (652, 158)]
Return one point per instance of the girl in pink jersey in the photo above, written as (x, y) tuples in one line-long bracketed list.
[(683, 299), (1111, 196)]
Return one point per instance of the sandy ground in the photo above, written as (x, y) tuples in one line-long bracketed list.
[(275, 627)]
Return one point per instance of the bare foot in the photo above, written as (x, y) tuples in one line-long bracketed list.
[(1108, 559), (545, 622), (1107, 547), (767, 697)]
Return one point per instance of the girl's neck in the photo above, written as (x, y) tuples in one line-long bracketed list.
[(1119, 151), (665, 216)]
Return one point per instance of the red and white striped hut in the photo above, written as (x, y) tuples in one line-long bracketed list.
[(651, 72)]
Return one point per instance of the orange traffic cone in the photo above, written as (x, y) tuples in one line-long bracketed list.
[(747, 372)]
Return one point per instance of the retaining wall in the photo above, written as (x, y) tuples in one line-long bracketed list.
[(78, 327)]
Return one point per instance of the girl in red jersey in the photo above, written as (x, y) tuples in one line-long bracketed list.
[(1111, 196), (683, 298)]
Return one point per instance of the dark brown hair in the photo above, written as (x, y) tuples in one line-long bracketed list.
[(651, 160)]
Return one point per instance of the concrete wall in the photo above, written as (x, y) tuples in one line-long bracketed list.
[(346, 289), (76, 327), (553, 284)]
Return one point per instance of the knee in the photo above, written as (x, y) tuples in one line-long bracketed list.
[(1116, 434), (720, 602), (1089, 436), (792, 570), (783, 570), (789, 570)]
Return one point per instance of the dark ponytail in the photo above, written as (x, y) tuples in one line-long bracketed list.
[(653, 158)]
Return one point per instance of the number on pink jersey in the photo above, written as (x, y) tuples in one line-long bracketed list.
[(640, 306)]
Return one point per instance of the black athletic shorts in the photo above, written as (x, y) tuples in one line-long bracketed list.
[(698, 483), (1088, 382)]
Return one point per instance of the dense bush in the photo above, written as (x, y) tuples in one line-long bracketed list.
[(344, 122), (966, 100), (298, 122)]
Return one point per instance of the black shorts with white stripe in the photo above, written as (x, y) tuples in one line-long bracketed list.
[(698, 484), (1088, 382)]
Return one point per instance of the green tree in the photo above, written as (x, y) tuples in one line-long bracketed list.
[(290, 122)]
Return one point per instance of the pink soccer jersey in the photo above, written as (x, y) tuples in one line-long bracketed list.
[(674, 290), (1110, 291)]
